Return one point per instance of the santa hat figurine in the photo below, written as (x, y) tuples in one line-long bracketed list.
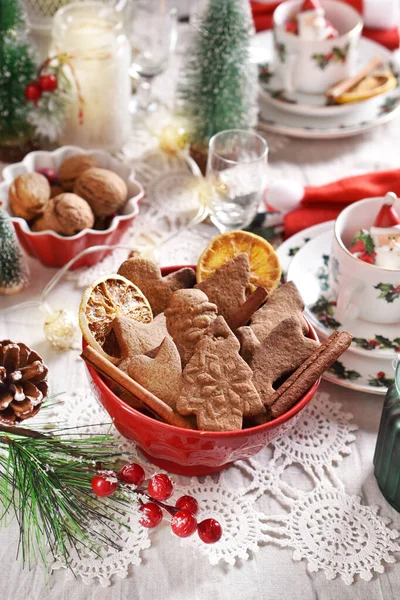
[(385, 234), (312, 24)]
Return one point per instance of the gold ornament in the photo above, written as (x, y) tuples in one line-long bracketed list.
[(173, 138)]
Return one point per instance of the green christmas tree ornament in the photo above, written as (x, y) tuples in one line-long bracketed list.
[(219, 87), (14, 273), (17, 69)]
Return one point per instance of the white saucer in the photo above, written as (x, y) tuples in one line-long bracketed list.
[(312, 105), (360, 369)]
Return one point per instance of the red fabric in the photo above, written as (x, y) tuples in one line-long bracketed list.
[(262, 15), (324, 203)]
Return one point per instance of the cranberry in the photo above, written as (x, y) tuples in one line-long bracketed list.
[(189, 503), (48, 83), (33, 91), (104, 485), (132, 473), (160, 487), (380, 375), (183, 523), (210, 531), (50, 175), (152, 515)]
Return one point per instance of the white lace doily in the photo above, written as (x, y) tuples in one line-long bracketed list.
[(329, 529)]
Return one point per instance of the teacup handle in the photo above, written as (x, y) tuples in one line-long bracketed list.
[(289, 73), (345, 308)]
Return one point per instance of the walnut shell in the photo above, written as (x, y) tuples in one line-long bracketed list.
[(28, 195), (72, 168), (66, 214), (104, 190)]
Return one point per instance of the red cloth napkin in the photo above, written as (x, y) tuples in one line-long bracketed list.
[(325, 202), (262, 15)]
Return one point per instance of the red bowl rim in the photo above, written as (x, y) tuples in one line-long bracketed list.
[(209, 434)]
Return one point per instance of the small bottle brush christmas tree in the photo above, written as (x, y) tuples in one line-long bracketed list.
[(219, 90), (16, 70), (13, 267)]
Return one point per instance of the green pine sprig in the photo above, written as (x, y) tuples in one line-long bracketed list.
[(45, 484)]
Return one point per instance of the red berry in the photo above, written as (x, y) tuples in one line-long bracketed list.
[(152, 515), (50, 175), (380, 375), (188, 503), (210, 531), (48, 83), (183, 523), (33, 91), (104, 485), (132, 473), (160, 487)]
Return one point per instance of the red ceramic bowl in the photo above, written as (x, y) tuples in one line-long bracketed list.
[(189, 452), (52, 249)]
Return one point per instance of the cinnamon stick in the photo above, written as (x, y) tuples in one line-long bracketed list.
[(308, 373), (345, 85), (248, 308), (106, 368)]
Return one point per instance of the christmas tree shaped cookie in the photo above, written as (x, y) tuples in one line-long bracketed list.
[(227, 286), (217, 383), (283, 303)]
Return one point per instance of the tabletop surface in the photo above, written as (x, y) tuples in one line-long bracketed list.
[(174, 574)]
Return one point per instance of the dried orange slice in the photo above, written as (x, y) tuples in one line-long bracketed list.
[(373, 85), (264, 263), (109, 297)]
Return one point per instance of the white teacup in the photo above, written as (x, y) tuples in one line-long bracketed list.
[(354, 282), (313, 67)]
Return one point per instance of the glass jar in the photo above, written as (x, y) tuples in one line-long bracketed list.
[(92, 36), (387, 450)]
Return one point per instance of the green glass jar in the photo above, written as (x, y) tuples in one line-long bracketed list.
[(387, 450)]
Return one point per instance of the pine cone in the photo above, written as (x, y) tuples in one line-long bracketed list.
[(23, 382)]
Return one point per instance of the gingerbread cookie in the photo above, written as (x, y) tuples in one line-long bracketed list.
[(279, 354), (285, 302), (248, 342), (134, 337), (161, 375), (217, 385), (227, 286), (157, 289), (188, 316)]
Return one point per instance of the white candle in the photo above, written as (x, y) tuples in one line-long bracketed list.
[(99, 53)]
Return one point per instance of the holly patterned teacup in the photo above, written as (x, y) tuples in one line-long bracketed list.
[(362, 290), (314, 66)]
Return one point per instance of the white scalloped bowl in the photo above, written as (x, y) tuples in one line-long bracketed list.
[(52, 249)]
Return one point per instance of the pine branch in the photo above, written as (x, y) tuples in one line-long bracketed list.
[(45, 484)]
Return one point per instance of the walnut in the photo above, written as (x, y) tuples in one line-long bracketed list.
[(28, 195), (72, 168), (104, 190)]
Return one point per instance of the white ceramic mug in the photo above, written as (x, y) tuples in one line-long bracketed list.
[(353, 282), (314, 66)]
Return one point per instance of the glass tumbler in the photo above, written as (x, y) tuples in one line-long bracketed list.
[(237, 177)]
